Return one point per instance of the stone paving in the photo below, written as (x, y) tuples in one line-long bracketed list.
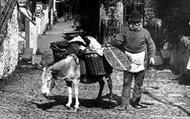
[(21, 98), (170, 93)]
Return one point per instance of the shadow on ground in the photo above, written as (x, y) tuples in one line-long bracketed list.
[(169, 103), (88, 103)]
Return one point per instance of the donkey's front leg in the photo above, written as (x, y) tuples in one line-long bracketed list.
[(69, 87), (76, 87), (69, 97)]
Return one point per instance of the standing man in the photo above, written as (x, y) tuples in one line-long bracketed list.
[(136, 42)]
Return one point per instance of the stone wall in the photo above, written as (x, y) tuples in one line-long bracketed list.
[(9, 47), (112, 20)]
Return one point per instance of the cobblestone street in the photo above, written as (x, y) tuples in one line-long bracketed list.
[(21, 98)]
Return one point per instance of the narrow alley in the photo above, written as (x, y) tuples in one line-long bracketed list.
[(21, 97)]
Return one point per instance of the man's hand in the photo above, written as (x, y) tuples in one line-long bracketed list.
[(152, 60), (82, 47), (107, 45)]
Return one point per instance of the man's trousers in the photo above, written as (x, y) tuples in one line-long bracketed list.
[(127, 81)]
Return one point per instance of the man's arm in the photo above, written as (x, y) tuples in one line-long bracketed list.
[(151, 48)]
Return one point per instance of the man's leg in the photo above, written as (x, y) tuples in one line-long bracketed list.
[(127, 80), (139, 78)]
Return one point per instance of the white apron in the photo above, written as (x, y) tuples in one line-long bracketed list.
[(137, 61), (188, 64)]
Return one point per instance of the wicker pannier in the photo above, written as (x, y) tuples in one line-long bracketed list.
[(95, 64)]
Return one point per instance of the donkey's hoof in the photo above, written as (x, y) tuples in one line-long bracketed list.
[(75, 110), (112, 100), (68, 107)]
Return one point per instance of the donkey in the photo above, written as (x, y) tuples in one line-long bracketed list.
[(68, 69)]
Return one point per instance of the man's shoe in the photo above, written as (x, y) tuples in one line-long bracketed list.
[(136, 104), (121, 108), (139, 106), (129, 108)]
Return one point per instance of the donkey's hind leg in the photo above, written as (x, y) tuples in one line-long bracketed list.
[(110, 86), (101, 82), (69, 86)]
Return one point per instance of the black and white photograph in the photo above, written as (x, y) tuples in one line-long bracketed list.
[(94, 59)]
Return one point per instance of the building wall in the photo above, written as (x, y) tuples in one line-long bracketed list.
[(111, 21), (9, 47)]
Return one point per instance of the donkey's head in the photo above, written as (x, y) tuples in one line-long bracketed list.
[(48, 82)]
